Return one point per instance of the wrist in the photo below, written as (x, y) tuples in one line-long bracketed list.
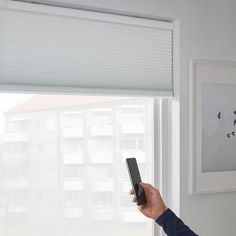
[(161, 211)]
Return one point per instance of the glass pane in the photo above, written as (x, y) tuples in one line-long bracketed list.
[(62, 166)]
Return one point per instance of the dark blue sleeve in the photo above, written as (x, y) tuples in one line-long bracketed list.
[(173, 226)]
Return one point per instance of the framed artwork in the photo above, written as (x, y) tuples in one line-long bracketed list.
[(212, 126)]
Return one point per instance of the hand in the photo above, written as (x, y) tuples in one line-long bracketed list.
[(155, 206)]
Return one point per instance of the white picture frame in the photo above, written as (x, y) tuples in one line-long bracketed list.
[(212, 126)]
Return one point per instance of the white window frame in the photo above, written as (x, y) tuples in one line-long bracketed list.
[(167, 140), (166, 154)]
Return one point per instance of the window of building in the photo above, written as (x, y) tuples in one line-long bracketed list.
[(17, 125), (100, 150), (72, 124), (73, 171), (100, 122), (50, 124)]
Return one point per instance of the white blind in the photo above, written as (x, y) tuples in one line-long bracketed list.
[(87, 51)]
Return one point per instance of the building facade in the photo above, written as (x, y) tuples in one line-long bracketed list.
[(70, 156)]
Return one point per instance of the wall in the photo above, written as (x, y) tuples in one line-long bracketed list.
[(206, 31)]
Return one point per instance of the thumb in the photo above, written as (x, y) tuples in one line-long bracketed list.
[(144, 185)]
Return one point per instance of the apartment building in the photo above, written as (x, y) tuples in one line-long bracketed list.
[(67, 153)]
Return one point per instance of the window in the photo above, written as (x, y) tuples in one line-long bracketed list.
[(73, 147), (62, 166), (50, 124), (132, 120), (74, 204), (73, 171), (72, 124), (100, 122), (100, 150), (98, 172)]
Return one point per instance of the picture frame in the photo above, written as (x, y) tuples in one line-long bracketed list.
[(212, 126)]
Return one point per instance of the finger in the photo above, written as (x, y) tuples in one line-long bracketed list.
[(131, 191), (147, 186), (140, 207), (144, 184), (134, 199)]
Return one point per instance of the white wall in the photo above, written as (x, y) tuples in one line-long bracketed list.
[(207, 31)]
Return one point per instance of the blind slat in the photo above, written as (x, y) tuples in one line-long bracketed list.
[(50, 50)]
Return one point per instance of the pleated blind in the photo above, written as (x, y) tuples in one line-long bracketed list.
[(86, 50)]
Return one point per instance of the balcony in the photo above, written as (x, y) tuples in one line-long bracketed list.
[(73, 212), (16, 184), (19, 209), (139, 155), (72, 132), (16, 137), (101, 158), (102, 186), (15, 159), (126, 186), (133, 217), (100, 122), (102, 130), (73, 185), (132, 128), (73, 159), (103, 214)]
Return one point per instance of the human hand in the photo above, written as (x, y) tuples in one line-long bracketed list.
[(155, 205)]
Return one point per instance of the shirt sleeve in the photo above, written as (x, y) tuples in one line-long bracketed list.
[(173, 226)]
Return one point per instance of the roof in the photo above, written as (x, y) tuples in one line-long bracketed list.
[(47, 102)]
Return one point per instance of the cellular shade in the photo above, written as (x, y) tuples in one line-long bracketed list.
[(86, 50)]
